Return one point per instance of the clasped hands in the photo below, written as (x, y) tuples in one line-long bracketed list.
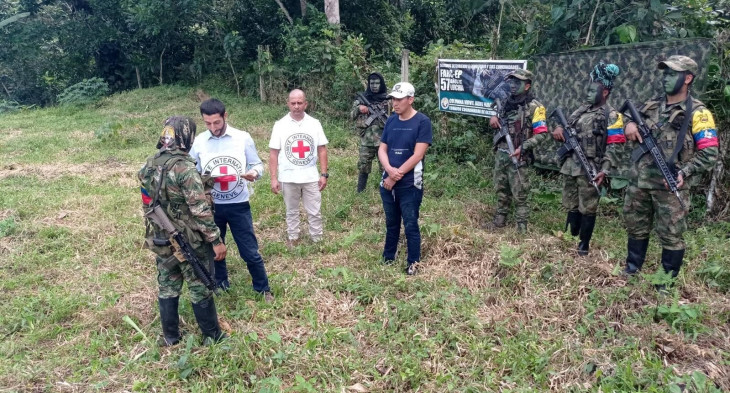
[(394, 174)]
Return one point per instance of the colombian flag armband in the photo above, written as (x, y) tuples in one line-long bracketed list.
[(704, 131), (539, 125)]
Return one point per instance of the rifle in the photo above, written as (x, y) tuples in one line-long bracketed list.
[(649, 145), (572, 144), (375, 112), (183, 250), (503, 133)]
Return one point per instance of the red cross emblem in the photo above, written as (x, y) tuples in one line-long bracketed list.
[(225, 178), (301, 149)]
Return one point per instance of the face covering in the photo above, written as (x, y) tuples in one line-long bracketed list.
[(375, 85), (672, 81), (516, 86), (594, 94)]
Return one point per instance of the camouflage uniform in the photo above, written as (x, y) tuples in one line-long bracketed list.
[(526, 120), (189, 208), (647, 198), (369, 135)]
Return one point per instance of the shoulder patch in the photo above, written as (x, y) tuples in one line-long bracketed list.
[(704, 131)]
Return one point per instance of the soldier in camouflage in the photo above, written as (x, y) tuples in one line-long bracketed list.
[(598, 126), (685, 131), (169, 178), (525, 117), (376, 93)]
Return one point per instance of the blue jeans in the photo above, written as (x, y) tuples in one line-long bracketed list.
[(238, 217), (402, 203)]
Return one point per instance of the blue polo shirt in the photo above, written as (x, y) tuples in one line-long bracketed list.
[(401, 138)]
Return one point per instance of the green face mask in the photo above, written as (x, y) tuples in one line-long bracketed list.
[(516, 86), (594, 94), (672, 81)]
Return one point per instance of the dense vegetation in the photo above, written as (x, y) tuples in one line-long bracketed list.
[(491, 312)]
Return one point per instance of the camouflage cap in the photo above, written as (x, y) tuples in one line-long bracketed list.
[(521, 74), (679, 63)]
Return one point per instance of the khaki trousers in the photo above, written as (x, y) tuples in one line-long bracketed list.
[(311, 198)]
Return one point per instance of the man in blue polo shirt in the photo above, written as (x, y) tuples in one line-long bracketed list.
[(229, 156), (406, 137)]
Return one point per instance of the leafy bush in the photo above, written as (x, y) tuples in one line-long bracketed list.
[(9, 106), (85, 92), (716, 275)]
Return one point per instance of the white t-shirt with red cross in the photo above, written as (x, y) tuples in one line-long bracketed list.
[(297, 142)]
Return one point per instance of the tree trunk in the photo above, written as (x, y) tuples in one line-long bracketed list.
[(161, 54), (139, 78), (498, 33), (404, 60), (286, 13), (332, 10), (235, 77), (303, 6)]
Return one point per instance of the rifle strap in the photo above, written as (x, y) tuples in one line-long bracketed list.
[(682, 131), (165, 167)]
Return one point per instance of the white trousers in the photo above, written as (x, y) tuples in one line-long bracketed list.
[(311, 198)]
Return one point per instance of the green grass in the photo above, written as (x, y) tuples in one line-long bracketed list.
[(489, 312)]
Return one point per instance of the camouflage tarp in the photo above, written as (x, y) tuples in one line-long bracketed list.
[(560, 79)]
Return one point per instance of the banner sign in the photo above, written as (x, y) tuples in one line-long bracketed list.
[(471, 87)]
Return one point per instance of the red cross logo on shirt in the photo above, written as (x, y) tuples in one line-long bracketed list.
[(301, 149), (224, 180)]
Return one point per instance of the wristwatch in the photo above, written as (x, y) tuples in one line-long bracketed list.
[(216, 241), (325, 175)]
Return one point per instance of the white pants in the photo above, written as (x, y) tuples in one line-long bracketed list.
[(311, 198)]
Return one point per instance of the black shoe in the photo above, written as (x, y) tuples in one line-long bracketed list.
[(170, 321), (636, 254), (224, 285), (411, 269), (573, 222), (207, 318), (587, 224), (362, 181)]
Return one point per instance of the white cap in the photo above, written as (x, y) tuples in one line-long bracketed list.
[(402, 89)]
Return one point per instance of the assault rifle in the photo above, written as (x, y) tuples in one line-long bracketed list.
[(649, 145), (375, 112), (183, 250), (503, 133), (572, 144)]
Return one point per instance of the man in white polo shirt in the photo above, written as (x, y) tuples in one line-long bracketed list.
[(229, 156), (297, 142)]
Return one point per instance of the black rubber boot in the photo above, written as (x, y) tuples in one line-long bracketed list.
[(362, 181), (573, 221), (636, 254), (672, 261), (170, 321), (587, 223), (207, 318)]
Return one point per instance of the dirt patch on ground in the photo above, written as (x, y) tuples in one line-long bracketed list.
[(11, 134), (99, 170)]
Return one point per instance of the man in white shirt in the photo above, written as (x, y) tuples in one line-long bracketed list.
[(297, 142), (229, 156)]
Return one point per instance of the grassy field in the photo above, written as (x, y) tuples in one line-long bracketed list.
[(489, 311)]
